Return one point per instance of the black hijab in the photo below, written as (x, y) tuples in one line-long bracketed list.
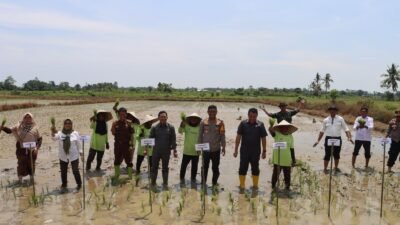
[(101, 127)]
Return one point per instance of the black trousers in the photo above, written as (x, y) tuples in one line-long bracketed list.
[(252, 158), (91, 156), (139, 161), (393, 153), (336, 149), (164, 157), (286, 173), (367, 148), (186, 159), (75, 171), (214, 157)]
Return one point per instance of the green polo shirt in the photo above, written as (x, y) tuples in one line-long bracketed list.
[(191, 137)]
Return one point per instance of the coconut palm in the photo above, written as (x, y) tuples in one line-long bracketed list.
[(315, 86), (391, 78), (327, 82)]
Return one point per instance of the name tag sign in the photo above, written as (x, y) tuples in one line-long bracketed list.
[(202, 147), (29, 144), (334, 142), (85, 138), (148, 142), (386, 141), (279, 145)]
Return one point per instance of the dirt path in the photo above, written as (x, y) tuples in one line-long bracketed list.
[(356, 193)]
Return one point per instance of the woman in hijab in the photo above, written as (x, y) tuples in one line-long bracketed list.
[(25, 131), (69, 150), (99, 139)]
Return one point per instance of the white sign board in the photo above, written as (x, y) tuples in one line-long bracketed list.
[(386, 141), (334, 142), (85, 138), (279, 145), (203, 147), (148, 142), (29, 145)]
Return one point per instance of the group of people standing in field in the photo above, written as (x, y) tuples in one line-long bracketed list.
[(251, 138)]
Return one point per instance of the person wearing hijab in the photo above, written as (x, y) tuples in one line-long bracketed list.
[(25, 131), (143, 132), (69, 150), (190, 126), (99, 138)]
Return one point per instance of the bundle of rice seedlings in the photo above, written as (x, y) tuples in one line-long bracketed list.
[(271, 122), (183, 116), (53, 121)]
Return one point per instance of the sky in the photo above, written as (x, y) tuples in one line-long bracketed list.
[(207, 43)]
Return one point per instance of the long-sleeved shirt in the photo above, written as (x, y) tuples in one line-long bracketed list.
[(191, 136), (332, 127), (142, 132), (97, 141), (394, 130), (212, 133), (74, 150), (364, 133), (165, 138)]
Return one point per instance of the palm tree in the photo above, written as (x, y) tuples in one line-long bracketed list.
[(316, 84), (391, 78), (327, 82)]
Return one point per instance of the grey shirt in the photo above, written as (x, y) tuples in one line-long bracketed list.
[(165, 138), (212, 133)]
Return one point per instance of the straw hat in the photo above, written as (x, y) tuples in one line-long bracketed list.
[(107, 115), (284, 123), (132, 117), (194, 115), (149, 118)]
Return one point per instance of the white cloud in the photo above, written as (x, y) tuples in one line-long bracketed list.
[(19, 17)]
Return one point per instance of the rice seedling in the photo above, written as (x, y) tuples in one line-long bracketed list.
[(160, 211), (53, 122), (253, 206), (142, 206), (219, 211), (183, 116), (271, 122), (3, 122)]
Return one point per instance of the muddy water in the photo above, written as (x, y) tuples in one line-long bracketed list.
[(355, 198)]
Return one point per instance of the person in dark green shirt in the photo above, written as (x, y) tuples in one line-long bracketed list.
[(143, 131), (190, 126), (99, 138), (284, 114)]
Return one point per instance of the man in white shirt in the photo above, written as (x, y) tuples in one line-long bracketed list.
[(332, 127), (363, 127)]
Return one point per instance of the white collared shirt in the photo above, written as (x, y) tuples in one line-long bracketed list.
[(75, 149), (364, 134), (333, 127)]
